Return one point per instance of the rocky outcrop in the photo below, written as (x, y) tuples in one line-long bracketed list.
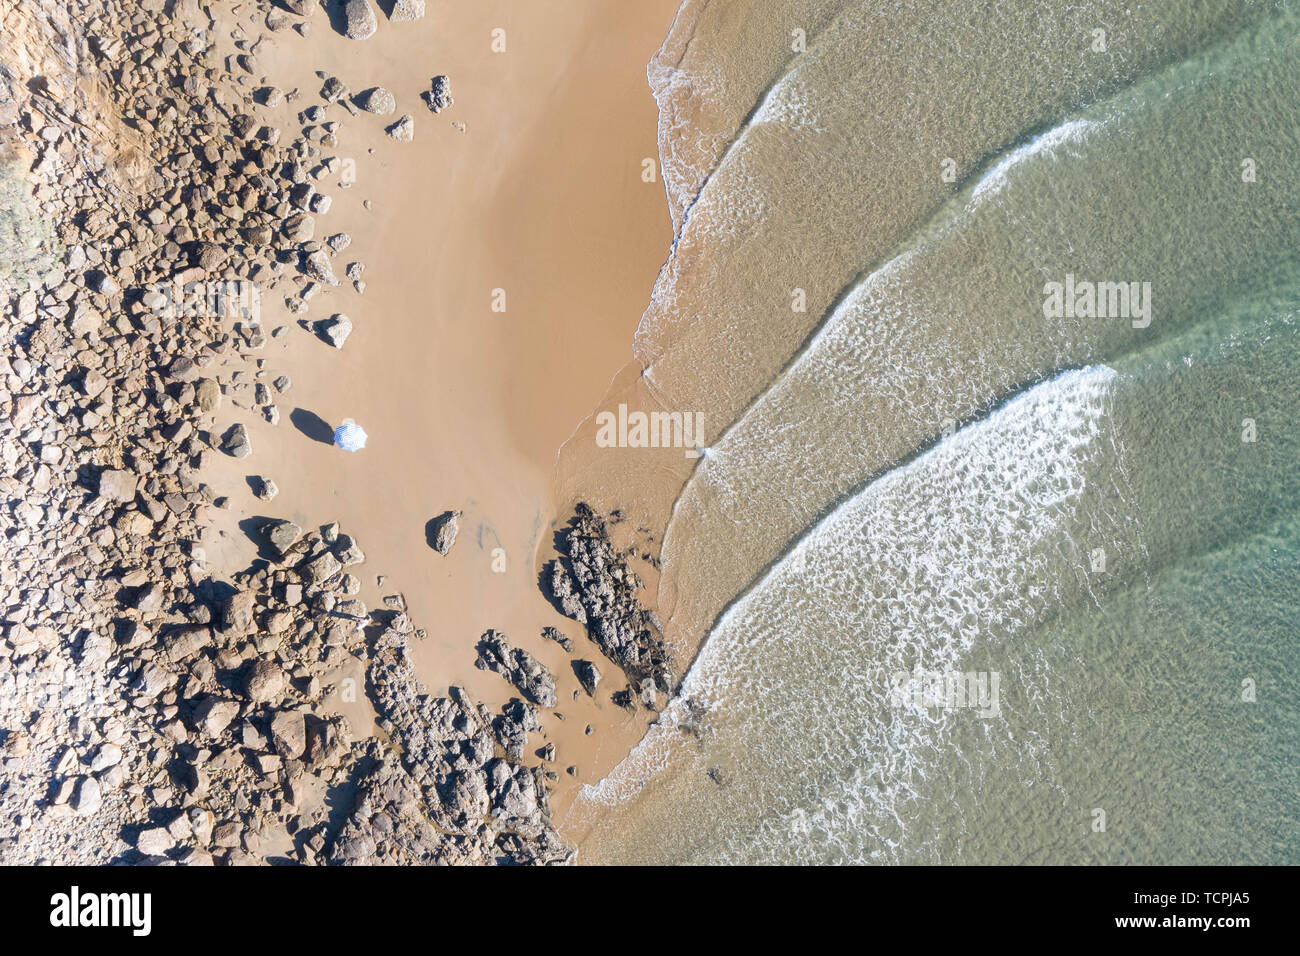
[(517, 666), (592, 583), (485, 808)]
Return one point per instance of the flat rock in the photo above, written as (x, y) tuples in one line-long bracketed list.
[(182, 369), (87, 798), (235, 613), (377, 100), (282, 535), (214, 715), (289, 734), (155, 841), (117, 485), (321, 569), (208, 395)]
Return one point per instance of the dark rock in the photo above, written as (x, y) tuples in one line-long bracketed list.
[(442, 530), (588, 676), (236, 442), (517, 666)]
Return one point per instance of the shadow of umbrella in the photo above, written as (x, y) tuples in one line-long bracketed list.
[(312, 425)]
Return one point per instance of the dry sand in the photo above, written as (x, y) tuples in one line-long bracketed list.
[(540, 194)]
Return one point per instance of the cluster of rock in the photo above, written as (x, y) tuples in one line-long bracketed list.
[(592, 583), (149, 711), (438, 96), (459, 792)]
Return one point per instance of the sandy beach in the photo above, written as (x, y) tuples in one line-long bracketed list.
[(465, 407)]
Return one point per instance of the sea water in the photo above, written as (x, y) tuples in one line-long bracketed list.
[(935, 473)]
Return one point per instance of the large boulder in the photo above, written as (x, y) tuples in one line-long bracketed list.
[(360, 20), (282, 535), (264, 682), (236, 613)]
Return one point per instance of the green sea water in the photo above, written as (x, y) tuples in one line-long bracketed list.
[(930, 473)]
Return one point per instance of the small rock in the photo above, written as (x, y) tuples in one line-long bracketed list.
[(558, 636), (155, 841), (407, 10), (377, 100), (335, 330), (266, 488), (403, 130), (443, 530), (236, 442), (588, 676)]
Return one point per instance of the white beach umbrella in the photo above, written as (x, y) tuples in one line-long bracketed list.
[(350, 436)]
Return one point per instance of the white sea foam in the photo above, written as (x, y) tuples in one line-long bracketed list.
[(1045, 144), (963, 543)]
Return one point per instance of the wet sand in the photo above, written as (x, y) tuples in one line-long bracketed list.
[(540, 194)]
